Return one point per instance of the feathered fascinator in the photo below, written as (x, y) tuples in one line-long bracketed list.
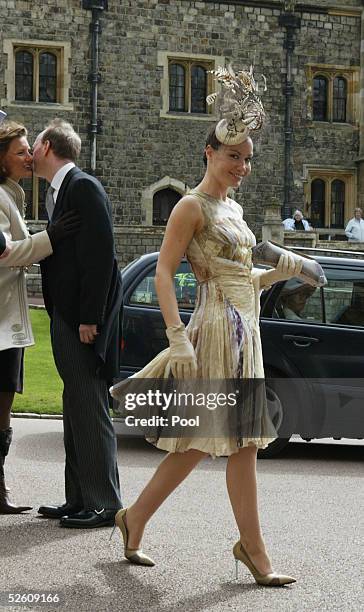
[(238, 105)]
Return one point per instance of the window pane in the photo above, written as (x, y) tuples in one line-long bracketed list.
[(185, 286), (176, 88), (27, 185), (145, 292), (47, 77), (320, 99), (318, 203), (344, 302), (299, 302), (163, 203), (42, 191), (198, 89), (337, 203), (24, 76), (30, 208), (340, 98)]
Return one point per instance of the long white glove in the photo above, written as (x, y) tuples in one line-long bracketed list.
[(182, 354), (288, 266)]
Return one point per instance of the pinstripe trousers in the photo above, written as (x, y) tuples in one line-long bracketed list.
[(91, 472)]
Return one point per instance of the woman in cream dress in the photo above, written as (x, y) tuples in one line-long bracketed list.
[(221, 341)]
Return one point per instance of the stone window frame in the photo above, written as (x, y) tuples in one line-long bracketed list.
[(148, 194), (62, 49), (352, 76), (35, 192), (329, 174), (164, 58)]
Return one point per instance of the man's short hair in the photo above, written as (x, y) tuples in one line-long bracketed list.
[(64, 141)]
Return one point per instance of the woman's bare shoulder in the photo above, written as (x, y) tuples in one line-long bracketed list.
[(188, 208), (189, 201)]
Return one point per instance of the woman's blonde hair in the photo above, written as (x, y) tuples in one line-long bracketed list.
[(8, 131)]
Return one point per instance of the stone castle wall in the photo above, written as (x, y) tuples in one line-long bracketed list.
[(137, 147)]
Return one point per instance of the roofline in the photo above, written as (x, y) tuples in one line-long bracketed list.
[(339, 251)]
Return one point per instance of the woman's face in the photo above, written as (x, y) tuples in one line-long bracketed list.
[(230, 163), (297, 301), (18, 159)]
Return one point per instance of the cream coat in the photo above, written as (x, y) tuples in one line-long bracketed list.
[(15, 327)]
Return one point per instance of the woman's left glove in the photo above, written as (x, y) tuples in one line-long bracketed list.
[(288, 266), (182, 354)]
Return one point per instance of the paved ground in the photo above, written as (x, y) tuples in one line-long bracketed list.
[(312, 515)]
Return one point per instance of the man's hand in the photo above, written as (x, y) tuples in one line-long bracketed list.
[(88, 333)]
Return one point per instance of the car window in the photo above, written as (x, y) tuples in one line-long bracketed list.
[(298, 301), (185, 286), (344, 301)]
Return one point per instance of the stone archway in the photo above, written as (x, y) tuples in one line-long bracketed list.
[(148, 193)]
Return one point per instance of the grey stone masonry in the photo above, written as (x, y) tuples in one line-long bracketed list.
[(137, 147)]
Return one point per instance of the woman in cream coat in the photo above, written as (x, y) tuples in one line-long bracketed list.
[(23, 250)]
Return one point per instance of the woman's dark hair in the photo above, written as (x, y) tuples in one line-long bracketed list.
[(212, 141), (8, 131)]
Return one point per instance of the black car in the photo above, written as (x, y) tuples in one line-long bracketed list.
[(313, 343)]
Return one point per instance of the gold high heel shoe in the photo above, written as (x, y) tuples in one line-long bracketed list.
[(271, 579), (134, 555)]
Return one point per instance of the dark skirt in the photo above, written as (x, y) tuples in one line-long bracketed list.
[(12, 370)]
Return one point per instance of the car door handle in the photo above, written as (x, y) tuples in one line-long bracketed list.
[(301, 341)]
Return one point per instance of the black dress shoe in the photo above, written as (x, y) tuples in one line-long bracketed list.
[(87, 519), (57, 512)]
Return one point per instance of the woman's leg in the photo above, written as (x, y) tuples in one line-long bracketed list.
[(6, 402), (242, 488), (170, 473)]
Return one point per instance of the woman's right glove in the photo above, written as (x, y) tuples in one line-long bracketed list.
[(183, 360)]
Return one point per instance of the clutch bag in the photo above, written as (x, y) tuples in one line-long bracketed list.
[(268, 253)]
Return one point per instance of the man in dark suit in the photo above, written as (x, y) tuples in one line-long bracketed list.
[(82, 294)]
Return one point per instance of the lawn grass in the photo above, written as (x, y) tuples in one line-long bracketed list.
[(42, 385)]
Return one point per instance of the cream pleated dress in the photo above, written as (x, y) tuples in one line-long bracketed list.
[(224, 326)]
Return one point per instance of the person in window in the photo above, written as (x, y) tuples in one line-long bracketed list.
[(354, 314), (294, 298), (297, 222), (222, 340), (355, 228), (22, 250)]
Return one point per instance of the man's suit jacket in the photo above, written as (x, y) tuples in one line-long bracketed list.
[(81, 279)]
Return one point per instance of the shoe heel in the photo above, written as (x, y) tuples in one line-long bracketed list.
[(236, 569), (112, 532)]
